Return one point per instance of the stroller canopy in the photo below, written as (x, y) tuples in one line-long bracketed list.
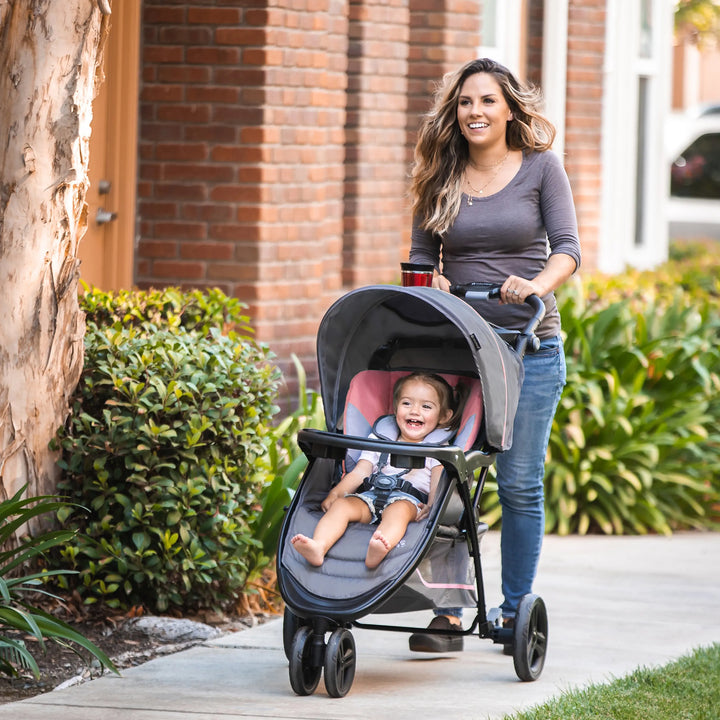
[(386, 327)]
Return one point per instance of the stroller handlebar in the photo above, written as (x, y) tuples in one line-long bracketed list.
[(527, 340)]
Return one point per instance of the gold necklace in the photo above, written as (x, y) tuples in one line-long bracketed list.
[(479, 192), (491, 166)]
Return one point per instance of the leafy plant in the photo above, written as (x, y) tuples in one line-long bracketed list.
[(167, 424), (635, 442), (194, 310), (635, 438), (16, 613)]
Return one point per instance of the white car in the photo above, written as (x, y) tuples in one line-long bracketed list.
[(693, 143)]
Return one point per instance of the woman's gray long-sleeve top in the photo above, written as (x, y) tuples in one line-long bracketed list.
[(511, 232)]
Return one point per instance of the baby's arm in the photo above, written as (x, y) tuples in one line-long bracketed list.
[(350, 483), (435, 474)]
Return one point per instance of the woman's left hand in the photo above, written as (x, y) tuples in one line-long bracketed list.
[(515, 289)]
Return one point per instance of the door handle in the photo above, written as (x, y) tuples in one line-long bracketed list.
[(104, 216)]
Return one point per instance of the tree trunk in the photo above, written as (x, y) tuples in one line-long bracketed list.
[(51, 58)]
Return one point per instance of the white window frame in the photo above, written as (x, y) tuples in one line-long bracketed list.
[(623, 69), (507, 31)]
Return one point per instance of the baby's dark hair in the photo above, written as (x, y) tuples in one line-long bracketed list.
[(452, 399)]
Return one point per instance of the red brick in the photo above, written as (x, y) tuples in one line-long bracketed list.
[(214, 16), (206, 251), (213, 55), (180, 230), (163, 54), (163, 15), (179, 270), (240, 36)]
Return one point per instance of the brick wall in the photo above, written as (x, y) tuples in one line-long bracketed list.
[(583, 134), (375, 178), (241, 157), (536, 15)]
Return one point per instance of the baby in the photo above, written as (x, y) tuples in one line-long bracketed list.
[(422, 403)]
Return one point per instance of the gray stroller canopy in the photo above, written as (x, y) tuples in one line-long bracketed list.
[(386, 327)]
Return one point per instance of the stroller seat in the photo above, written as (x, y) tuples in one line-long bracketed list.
[(343, 574)]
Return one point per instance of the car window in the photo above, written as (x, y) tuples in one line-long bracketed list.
[(696, 172)]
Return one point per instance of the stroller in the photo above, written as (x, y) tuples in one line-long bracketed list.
[(366, 340)]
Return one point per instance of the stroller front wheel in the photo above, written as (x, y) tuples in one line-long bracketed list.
[(530, 638), (304, 670), (340, 660)]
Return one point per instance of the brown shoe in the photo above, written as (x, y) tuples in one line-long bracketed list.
[(436, 643)]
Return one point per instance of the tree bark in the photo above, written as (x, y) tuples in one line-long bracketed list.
[(51, 57)]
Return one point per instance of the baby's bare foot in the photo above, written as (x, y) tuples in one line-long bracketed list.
[(378, 548), (310, 549)]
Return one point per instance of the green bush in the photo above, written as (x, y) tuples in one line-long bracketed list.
[(194, 310), (635, 445), (635, 439), (166, 425)]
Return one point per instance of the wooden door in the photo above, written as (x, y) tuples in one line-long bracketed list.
[(107, 249)]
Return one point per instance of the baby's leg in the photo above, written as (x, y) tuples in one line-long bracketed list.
[(395, 519), (330, 528)]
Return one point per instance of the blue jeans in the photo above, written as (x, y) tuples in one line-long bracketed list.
[(521, 474)]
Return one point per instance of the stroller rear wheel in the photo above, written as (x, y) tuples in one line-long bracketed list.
[(530, 638), (305, 671), (340, 660)]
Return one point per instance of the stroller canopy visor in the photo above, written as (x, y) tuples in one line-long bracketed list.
[(386, 327)]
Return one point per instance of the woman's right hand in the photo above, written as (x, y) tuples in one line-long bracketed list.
[(440, 282)]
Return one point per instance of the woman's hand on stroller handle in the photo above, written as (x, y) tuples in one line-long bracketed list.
[(527, 341)]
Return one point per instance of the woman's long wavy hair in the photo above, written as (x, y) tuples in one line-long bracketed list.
[(441, 152)]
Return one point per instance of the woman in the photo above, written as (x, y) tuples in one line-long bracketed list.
[(492, 204)]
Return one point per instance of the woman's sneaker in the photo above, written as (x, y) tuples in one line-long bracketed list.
[(426, 642)]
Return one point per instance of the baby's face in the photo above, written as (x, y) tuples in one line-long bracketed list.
[(418, 411)]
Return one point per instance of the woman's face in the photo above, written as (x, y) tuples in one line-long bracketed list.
[(482, 111)]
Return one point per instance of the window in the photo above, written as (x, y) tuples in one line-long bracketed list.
[(489, 24)]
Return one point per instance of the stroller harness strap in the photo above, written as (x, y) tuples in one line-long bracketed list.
[(384, 485)]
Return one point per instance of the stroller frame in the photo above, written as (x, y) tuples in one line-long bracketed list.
[(309, 618)]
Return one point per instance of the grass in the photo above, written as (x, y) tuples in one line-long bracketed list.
[(687, 689)]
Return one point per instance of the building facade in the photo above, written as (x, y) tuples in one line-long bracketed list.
[(274, 139)]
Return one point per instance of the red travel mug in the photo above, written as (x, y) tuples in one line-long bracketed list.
[(416, 274)]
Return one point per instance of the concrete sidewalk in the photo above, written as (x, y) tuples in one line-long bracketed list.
[(614, 604)]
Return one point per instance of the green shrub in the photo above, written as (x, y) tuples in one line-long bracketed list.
[(193, 310), (635, 445), (166, 426), (634, 441)]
